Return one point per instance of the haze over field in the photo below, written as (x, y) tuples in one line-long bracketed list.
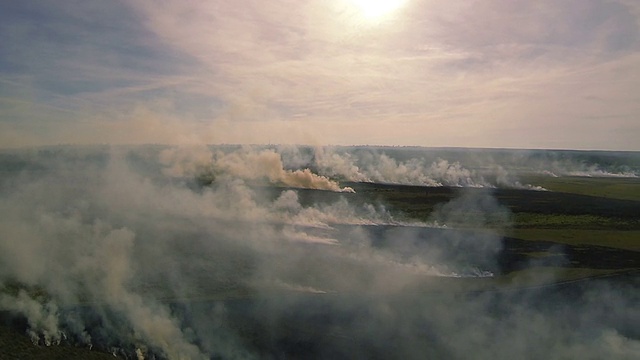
[(495, 73)]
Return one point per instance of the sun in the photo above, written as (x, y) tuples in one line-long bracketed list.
[(376, 9)]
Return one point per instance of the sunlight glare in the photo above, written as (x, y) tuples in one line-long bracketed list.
[(375, 9)]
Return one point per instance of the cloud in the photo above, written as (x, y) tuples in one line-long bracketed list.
[(492, 70)]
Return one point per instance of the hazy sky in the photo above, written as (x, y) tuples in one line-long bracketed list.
[(490, 73)]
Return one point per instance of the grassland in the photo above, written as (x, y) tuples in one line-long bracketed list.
[(574, 207), (629, 240), (606, 187), (595, 221)]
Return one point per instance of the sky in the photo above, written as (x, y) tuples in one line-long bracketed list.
[(491, 73)]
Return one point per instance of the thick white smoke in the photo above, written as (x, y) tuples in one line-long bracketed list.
[(248, 164), (382, 168), (87, 243), (131, 258)]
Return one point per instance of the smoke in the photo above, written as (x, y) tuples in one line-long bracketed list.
[(42, 318), (590, 171), (247, 164), (97, 241), (477, 168), (577, 163), (70, 259), (382, 168), (587, 169), (134, 258)]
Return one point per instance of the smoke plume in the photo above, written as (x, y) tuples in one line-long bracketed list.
[(113, 248)]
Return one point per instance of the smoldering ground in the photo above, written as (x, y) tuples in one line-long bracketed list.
[(118, 248)]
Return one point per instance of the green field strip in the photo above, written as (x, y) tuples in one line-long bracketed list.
[(627, 240), (608, 187)]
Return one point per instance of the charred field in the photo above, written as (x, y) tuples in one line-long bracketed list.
[(259, 252)]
